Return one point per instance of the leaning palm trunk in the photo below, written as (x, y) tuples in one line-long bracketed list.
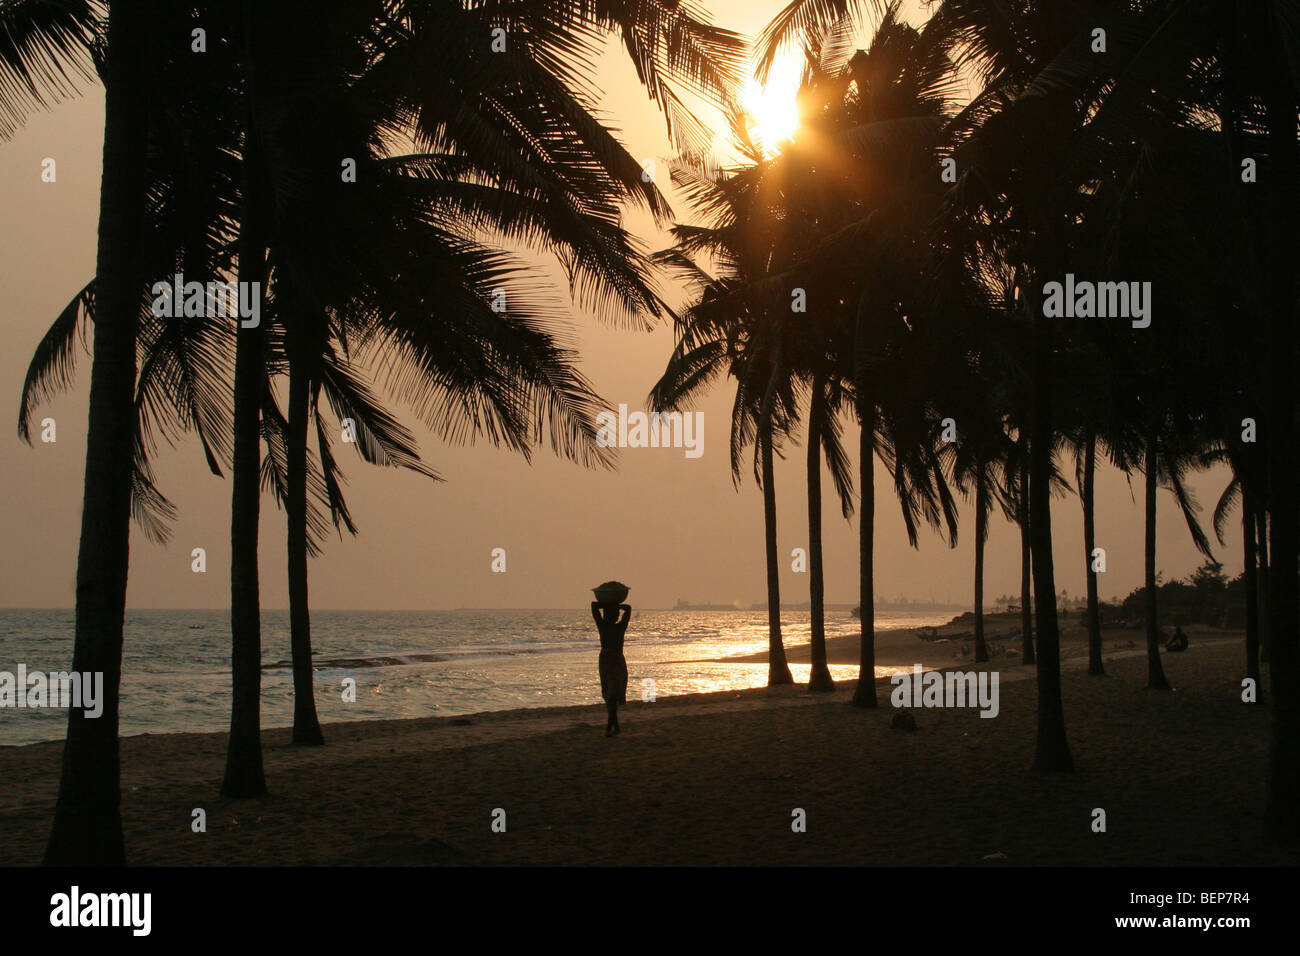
[(981, 531), (778, 669), (1095, 666), (87, 827), (1155, 670), (819, 676), (244, 776), (864, 695), (306, 725), (1052, 750)]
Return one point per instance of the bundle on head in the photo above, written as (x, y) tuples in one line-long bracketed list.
[(611, 592)]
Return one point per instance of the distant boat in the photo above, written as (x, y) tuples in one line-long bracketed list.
[(684, 605), (857, 611)]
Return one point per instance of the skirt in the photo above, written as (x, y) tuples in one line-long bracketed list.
[(613, 677)]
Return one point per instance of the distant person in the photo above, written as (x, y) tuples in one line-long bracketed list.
[(1178, 642), (611, 622)]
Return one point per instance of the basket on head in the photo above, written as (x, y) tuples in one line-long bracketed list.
[(611, 593)]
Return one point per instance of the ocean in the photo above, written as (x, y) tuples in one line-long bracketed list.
[(176, 664)]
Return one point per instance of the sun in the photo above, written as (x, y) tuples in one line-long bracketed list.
[(772, 108), (772, 113)]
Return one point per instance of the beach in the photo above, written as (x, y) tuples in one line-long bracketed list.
[(713, 779)]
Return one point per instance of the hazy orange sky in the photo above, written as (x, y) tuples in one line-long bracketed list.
[(667, 525)]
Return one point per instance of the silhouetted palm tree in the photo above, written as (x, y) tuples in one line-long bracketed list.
[(521, 119), (726, 331), (869, 118), (43, 44), (824, 399), (1243, 491), (1087, 494)]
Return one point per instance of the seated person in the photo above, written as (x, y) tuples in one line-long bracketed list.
[(1178, 642)]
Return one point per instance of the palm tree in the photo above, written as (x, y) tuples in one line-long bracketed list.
[(533, 133), (244, 776), (734, 324), (1087, 494), (725, 331), (869, 117), (1020, 490), (1041, 77), (1281, 93), (1156, 679), (980, 461), (87, 825), (1091, 383), (1242, 489), (42, 42), (822, 434), (703, 55), (778, 670), (1052, 750), (180, 362), (1162, 457), (895, 96)]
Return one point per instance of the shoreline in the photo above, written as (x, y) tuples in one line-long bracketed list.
[(1002, 634), (842, 650), (711, 779)]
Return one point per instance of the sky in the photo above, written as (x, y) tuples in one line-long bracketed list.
[(668, 525)]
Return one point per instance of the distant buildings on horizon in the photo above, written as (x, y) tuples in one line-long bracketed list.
[(901, 603)]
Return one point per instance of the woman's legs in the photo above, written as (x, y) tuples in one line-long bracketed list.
[(611, 723)]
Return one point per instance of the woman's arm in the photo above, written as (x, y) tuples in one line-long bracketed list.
[(595, 614), (626, 616)]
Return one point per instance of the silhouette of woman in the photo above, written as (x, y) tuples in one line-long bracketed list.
[(611, 622)]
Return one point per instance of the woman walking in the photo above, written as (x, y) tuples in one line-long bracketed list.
[(611, 621)]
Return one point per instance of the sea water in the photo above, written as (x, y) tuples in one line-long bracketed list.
[(176, 664)]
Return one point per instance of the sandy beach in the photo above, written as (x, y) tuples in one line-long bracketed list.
[(714, 778)]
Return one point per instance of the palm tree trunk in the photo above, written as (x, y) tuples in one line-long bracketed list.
[(1249, 583), (981, 532), (1282, 820), (244, 776), (1095, 666), (87, 828), (1052, 750), (306, 726), (1261, 581), (819, 676), (778, 669), (1155, 670), (1026, 550), (864, 695)]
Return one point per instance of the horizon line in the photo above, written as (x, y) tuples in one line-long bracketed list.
[(828, 604)]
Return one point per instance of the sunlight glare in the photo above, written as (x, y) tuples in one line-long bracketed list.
[(772, 107)]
